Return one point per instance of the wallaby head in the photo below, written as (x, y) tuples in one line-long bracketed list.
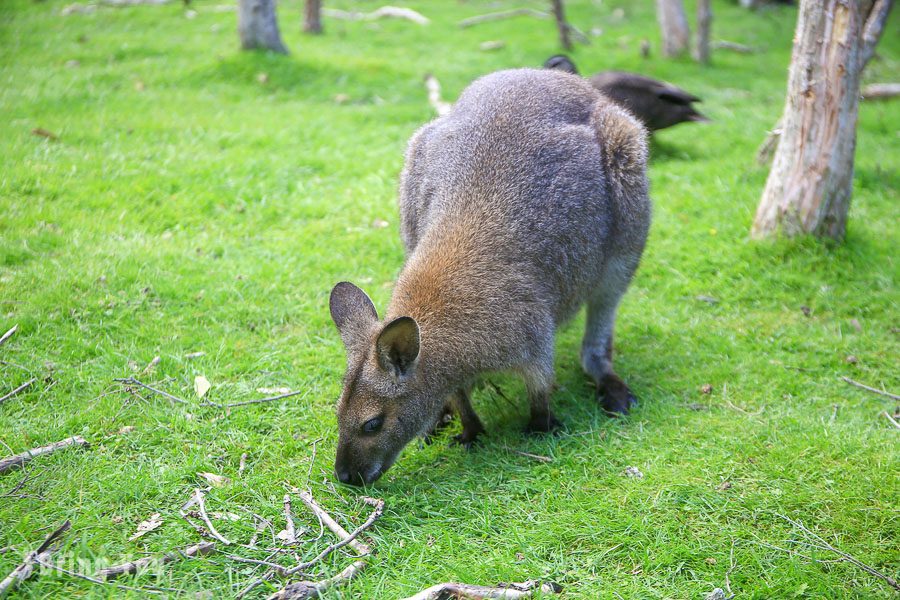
[(380, 408)]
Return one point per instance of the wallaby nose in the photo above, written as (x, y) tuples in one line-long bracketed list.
[(344, 476)]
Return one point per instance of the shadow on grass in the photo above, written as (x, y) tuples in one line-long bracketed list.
[(663, 152)]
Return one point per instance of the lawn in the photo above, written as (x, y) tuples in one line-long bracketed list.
[(201, 199)]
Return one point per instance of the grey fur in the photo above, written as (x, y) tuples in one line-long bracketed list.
[(527, 201)]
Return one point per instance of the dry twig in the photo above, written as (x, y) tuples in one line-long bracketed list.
[(891, 419), (24, 570), (136, 565), (129, 381), (9, 334), (871, 389), (246, 402), (880, 91), (504, 14), (821, 544), (733, 46), (201, 507), (291, 531), (537, 457), (475, 592), (24, 386), (18, 460)]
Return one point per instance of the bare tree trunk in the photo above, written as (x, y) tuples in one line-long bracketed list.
[(312, 17), (704, 18), (808, 189), (561, 24), (676, 34), (258, 26)]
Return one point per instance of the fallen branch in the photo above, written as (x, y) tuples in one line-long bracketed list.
[(312, 589), (24, 386), (246, 402), (132, 381), (290, 530), (475, 592), (823, 545), (504, 14), (880, 91), (537, 457), (9, 334), (871, 389), (18, 460), (201, 507), (380, 13), (434, 95), (24, 570), (891, 419), (733, 46), (136, 565)]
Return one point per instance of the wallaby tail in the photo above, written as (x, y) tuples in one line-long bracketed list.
[(623, 144)]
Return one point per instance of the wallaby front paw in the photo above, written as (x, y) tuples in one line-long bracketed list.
[(466, 440), (617, 402), (545, 423)]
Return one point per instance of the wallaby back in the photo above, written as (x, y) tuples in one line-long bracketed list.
[(526, 201)]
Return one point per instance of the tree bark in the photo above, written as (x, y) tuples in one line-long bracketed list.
[(561, 24), (809, 186), (704, 19), (673, 23), (312, 17), (258, 26)]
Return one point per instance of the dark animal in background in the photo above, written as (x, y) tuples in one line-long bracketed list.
[(526, 201), (657, 104)]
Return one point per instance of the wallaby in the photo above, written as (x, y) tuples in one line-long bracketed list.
[(527, 200)]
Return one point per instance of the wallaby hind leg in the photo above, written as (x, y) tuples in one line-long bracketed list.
[(596, 352), (539, 383), (471, 424)]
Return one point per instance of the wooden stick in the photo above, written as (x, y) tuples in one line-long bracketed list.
[(537, 457), (10, 462), (24, 570), (881, 91), (289, 521), (504, 14), (891, 419), (9, 334), (475, 592), (136, 565), (871, 389), (733, 46), (313, 589), (132, 381), (246, 402), (25, 385), (308, 589), (847, 557), (201, 507)]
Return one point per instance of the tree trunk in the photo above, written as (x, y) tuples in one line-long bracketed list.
[(704, 18), (808, 189), (312, 17), (258, 26), (561, 24), (676, 34)]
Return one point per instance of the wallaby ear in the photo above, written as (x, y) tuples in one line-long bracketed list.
[(397, 346), (351, 309)]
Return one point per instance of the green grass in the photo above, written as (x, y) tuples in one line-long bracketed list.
[(188, 207)]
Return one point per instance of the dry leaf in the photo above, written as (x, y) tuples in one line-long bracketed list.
[(634, 472), (225, 515), (193, 355), (201, 385), (274, 391), (41, 132), (380, 223), (126, 429), (491, 45), (139, 86), (151, 365), (706, 389), (147, 526), (341, 98), (215, 480), (262, 78)]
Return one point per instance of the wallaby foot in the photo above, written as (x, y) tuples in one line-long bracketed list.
[(442, 423), (614, 395), (543, 422), (471, 424)]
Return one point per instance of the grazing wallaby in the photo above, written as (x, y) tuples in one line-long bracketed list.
[(656, 104), (526, 201)]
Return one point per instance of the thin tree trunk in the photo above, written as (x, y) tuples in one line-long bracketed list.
[(312, 17), (561, 24), (808, 189), (258, 26), (673, 23), (704, 18)]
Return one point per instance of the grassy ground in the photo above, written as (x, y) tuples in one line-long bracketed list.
[(192, 204)]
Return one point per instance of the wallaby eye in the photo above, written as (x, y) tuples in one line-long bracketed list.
[(373, 425)]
